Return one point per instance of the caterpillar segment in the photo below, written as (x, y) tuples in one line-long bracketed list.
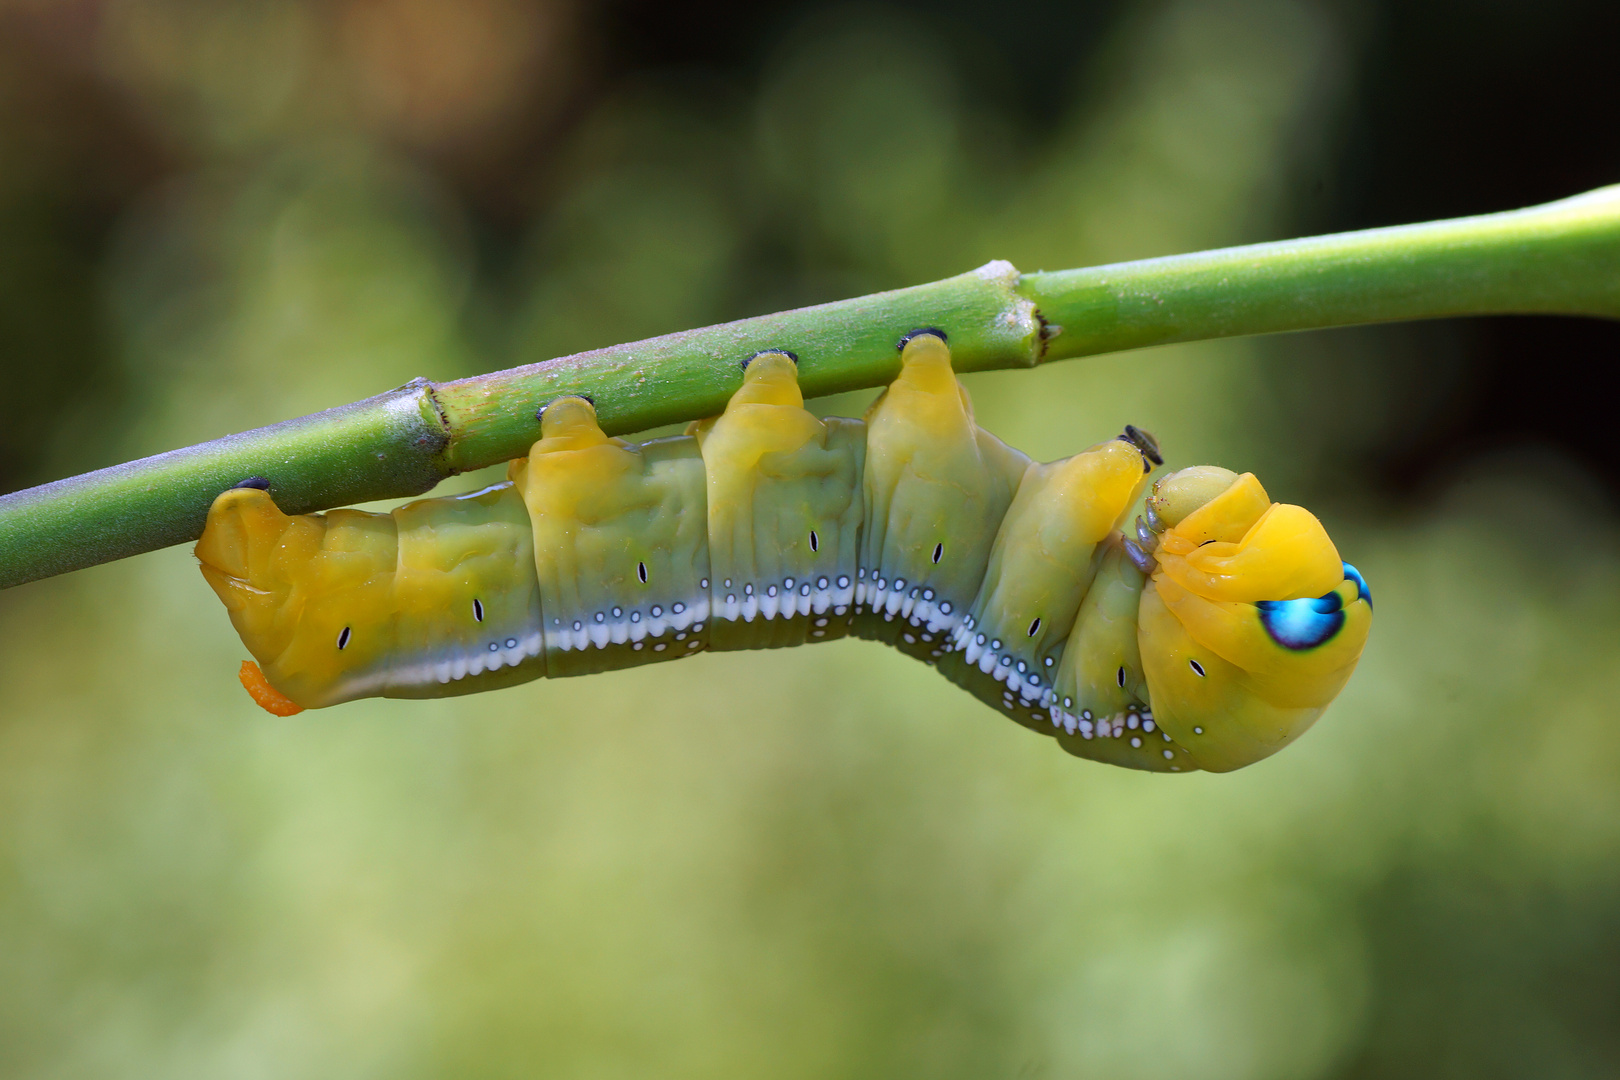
[(935, 491), (784, 512), (1210, 636), (621, 549), (1099, 705)]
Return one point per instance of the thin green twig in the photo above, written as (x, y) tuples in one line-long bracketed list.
[(1560, 258)]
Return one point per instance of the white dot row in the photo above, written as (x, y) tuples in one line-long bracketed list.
[(617, 626), (439, 666)]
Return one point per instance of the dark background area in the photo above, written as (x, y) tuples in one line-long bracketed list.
[(1458, 108)]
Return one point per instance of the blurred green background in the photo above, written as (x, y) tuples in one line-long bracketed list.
[(818, 862)]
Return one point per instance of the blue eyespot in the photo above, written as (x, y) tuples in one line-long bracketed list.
[(1307, 623), (1304, 623)]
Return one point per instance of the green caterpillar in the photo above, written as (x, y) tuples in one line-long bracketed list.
[(1212, 637)]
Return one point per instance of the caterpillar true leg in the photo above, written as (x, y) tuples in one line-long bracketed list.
[(1210, 638)]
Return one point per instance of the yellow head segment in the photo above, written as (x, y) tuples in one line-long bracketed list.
[(1251, 623)]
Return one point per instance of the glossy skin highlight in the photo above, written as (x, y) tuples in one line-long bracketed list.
[(1209, 640)]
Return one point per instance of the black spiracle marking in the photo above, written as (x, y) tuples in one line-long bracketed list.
[(478, 609), (1035, 626), (1119, 677), (815, 543), (1198, 669), (343, 639), (641, 572), (939, 551)]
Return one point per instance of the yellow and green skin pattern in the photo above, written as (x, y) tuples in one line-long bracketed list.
[(936, 491), (621, 547), (784, 513), (437, 597), (766, 526), (1251, 623)]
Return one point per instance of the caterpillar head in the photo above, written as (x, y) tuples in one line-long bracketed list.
[(1250, 624)]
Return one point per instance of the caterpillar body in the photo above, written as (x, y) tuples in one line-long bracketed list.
[(1209, 639)]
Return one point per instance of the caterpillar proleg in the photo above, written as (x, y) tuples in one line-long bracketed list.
[(1210, 638)]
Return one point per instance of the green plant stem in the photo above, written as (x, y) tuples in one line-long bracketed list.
[(1561, 258)]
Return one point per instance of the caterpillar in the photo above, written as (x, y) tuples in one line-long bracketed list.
[(1209, 638)]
